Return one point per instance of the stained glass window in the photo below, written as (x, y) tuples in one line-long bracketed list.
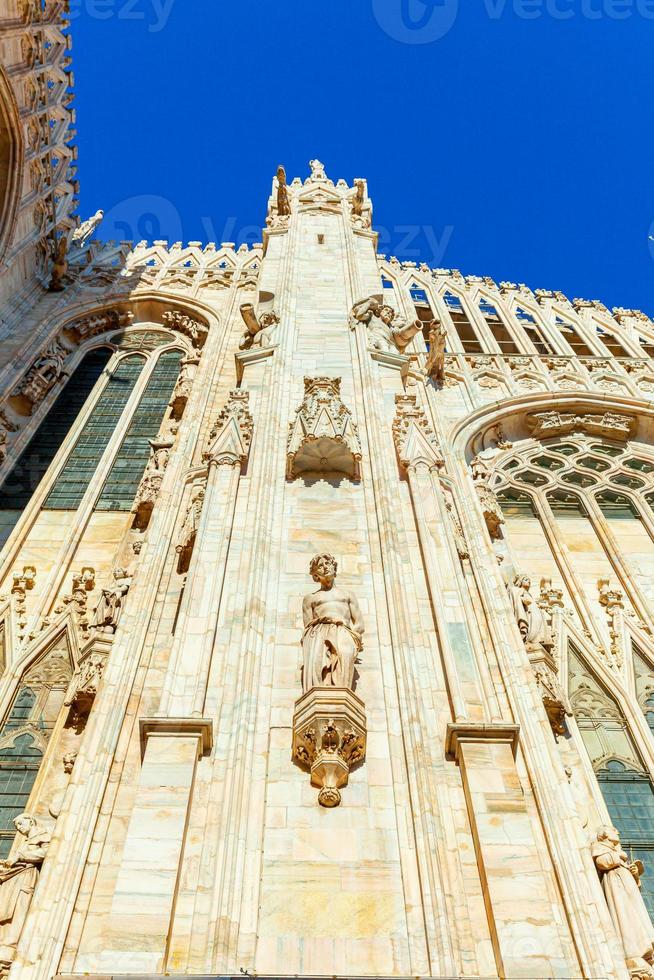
[(72, 482), (122, 483)]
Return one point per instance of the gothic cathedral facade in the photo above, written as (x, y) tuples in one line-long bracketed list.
[(326, 594)]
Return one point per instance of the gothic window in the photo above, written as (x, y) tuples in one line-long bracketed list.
[(498, 327), (595, 497), (25, 732), (73, 480), (122, 483), (35, 459), (573, 338), (533, 331), (644, 677), (612, 343), (622, 777), (423, 309), (462, 325), (647, 345)]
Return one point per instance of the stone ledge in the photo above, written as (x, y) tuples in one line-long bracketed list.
[(470, 731), (202, 728)]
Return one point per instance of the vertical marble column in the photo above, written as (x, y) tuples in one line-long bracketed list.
[(176, 738), (519, 907)]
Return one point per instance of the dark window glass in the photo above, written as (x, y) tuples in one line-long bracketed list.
[(35, 459), (123, 481), (462, 324), (82, 462)]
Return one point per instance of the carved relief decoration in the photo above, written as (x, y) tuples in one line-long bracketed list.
[(414, 438), (231, 436), (323, 438), (609, 424)]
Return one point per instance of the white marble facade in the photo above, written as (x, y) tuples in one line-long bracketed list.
[(183, 829)]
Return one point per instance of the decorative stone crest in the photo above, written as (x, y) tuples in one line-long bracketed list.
[(323, 437), (610, 424), (230, 438), (98, 323), (414, 438), (197, 332), (43, 375)]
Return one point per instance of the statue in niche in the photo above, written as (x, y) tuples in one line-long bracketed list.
[(18, 879), (531, 621), (333, 629), (385, 333), (283, 202), (621, 885), (109, 608)]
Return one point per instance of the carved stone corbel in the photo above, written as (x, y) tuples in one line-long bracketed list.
[(323, 437), (329, 738)]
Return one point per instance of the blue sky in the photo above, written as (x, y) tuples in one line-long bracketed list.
[(510, 138)]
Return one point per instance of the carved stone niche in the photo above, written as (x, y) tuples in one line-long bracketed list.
[(329, 738), (323, 438)]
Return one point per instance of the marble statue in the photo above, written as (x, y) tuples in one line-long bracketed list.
[(529, 616), (384, 333), (109, 608), (82, 234), (333, 628), (620, 883), (283, 202), (59, 266), (435, 364), (18, 879)]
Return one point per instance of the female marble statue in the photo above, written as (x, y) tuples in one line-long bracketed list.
[(630, 917), (333, 627), (531, 621), (17, 883)]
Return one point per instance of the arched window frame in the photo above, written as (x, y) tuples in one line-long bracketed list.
[(608, 327), (479, 330), (86, 506), (507, 320), (582, 331), (507, 476), (549, 335)]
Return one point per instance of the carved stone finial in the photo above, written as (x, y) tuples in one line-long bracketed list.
[(230, 438), (414, 438), (323, 438)]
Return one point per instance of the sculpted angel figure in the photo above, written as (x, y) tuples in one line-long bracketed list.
[(529, 616), (620, 884), (333, 627), (385, 333), (18, 880)]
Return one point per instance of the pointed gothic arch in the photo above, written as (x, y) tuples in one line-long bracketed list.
[(11, 162)]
